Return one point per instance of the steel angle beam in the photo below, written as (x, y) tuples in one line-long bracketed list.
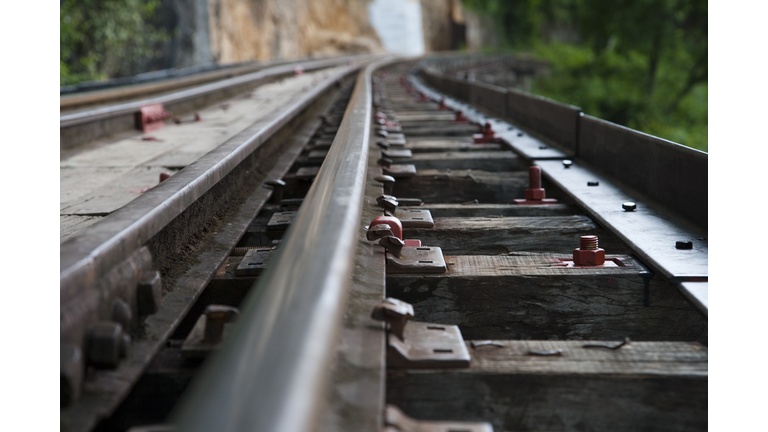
[(649, 230), (697, 293), (521, 142)]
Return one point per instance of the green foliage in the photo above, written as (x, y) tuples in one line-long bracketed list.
[(639, 63), (100, 39)]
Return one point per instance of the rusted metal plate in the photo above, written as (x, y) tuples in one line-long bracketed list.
[(397, 153), (307, 173), (400, 170), (318, 154), (280, 220), (254, 262), (427, 346), (415, 218), (417, 260)]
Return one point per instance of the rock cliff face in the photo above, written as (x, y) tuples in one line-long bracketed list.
[(233, 31), (244, 30)]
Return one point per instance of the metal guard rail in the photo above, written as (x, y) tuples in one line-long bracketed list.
[(270, 374)]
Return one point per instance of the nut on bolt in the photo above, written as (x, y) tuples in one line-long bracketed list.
[(106, 344), (629, 206), (149, 292), (387, 181), (588, 254)]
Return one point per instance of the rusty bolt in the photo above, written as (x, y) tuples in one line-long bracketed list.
[(106, 344), (387, 202), (588, 254), (376, 232), (395, 313), (534, 191), (392, 244), (277, 190), (121, 313), (215, 318), (385, 162), (149, 292), (164, 177), (387, 181)]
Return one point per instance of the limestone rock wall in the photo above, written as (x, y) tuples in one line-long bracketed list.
[(245, 30)]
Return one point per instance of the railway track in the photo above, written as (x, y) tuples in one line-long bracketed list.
[(398, 250)]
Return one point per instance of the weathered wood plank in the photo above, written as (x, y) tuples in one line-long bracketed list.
[(491, 161), (495, 235), (659, 386), (68, 225), (524, 297), (496, 210), (458, 186), (411, 117), (420, 145), (445, 130)]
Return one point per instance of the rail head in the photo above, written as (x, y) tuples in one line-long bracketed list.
[(72, 119), (270, 375)]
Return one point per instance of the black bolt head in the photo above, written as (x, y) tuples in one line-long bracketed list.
[(567, 163), (519, 134), (683, 244), (629, 206), (543, 147), (593, 183)]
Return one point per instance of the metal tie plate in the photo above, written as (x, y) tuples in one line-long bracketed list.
[(307, 173), (417, 260), (411, 218), (427, 346), (254, 262), (280, 220), (400, 170)]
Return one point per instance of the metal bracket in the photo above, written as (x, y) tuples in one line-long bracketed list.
[(396, 421), (280, 220), (394, 154), (209, 330), (419, 345), (254, 262), (416, 260), (400, 170), (415, 218), (307, 173)]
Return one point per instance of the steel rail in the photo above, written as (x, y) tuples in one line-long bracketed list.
[(80, 128), (270, 375), (73, 119), (91, 253)]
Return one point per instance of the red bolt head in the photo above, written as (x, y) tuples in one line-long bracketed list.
[(589, 257), (535, 194)]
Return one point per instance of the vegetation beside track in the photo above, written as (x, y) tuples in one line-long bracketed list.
[(639, 63)]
